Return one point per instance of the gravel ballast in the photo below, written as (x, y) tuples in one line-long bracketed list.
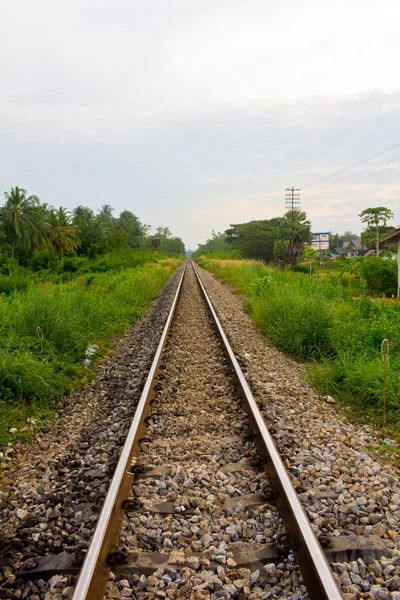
[(344, 487), (197, 427), (51, 496)]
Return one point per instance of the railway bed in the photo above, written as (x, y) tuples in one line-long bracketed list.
[(205, 413), (201, 490)]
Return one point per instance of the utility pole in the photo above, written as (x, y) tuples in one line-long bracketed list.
[(292, 204)]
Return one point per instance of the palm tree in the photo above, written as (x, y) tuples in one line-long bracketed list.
[(62, 235), (105, 214), (63, 216), (20, 220), (82, 216)]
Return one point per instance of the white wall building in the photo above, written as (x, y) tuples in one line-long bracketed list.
[(320, 241)]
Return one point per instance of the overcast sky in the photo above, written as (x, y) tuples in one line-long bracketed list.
[(195, 114)]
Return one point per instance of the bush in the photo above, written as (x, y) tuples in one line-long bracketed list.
[(45, 331), (45, 259), (12, 283), (8, 266), (296, 322), (319, 320), (302, 269), (379, 273), (262, 285)]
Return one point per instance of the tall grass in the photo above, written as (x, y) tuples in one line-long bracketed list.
[(45, 332), (317, 320)]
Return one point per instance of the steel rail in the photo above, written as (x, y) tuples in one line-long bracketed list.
[(311, 559), (95, 571)]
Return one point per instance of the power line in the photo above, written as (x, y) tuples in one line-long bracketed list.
[(377, 142), (361, 172), (356, 190), (371, 145), (351, 166), (276, 203)]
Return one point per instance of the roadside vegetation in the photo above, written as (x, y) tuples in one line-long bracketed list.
[(335, 325), (69, 284), (332, 314)]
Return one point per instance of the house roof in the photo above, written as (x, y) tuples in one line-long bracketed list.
[(394, 236), (356, 243)]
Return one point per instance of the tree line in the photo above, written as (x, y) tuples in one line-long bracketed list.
[(376, 227), (281, 239), (28, 225)]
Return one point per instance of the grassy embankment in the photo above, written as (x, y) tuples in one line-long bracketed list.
[(319, 322), (46, 328)]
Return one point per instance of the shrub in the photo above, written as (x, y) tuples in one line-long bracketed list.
[(45, 259), (8, 266), (296, 322), (12, 283), (301, 269), (262, 285), (318, 319), (379, 273)]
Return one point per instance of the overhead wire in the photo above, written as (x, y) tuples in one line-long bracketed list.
[(351, 166), (344, 170), (361, 172), (370, 146)]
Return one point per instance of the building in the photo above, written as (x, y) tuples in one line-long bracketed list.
[(337, 253), (354, 248), (320, 241)]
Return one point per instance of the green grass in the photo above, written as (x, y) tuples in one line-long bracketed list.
[(45, 331), (317, 320)]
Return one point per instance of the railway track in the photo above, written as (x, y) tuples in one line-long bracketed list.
[(196, 431), (200, 502)]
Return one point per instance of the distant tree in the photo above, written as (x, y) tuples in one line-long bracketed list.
[(173, 245), (216, 242), (281, 238), (82, 215), (348, 236), (309, 253), (20, 219), (136, 232), (105, 215), (61, 234), (63, 216), (336, 240), (296, 231), (376, 217), (368, 236), (162, 232), (255, 239), (90, 231)]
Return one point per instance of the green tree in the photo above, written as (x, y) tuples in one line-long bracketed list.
[(105, 215), (374, 217), (296, 229), (348, 236), (61, 234), (131, 225), (255, 239), (336, 239), (215, 243), (162, 232), (309, 253), (90, 231), (21, 221)]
